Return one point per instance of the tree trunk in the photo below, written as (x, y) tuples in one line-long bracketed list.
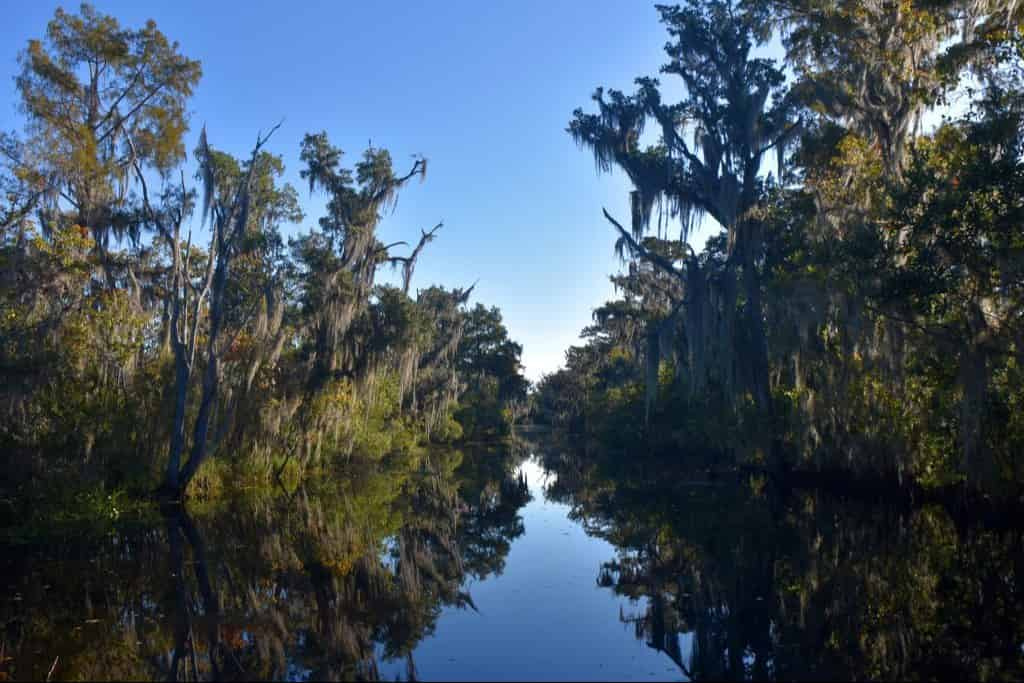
[(171, 478), (211, 376), (758, 353), (977, 463), (652, 362)]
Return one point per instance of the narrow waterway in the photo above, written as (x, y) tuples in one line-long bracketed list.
[(536, 559), (545, 616)]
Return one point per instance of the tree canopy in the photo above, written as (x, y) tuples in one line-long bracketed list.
[(859, 308)]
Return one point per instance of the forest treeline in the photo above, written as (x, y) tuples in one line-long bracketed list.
[(161, 307), (860, 309)]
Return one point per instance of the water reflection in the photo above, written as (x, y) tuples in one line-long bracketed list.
[(302, 586), (505, 565), (743, 581), (181, 530)]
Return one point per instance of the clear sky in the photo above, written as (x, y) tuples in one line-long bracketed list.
[(484, 90)]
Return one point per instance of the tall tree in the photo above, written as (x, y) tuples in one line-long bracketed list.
[(101, 100), (230, 213), (708, 160), (876, 66), (344, 258)]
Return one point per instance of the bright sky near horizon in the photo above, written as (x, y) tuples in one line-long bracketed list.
[(484, 90)]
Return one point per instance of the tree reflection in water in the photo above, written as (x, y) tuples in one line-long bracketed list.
[(318, 584), (742, 581), (345, 580)]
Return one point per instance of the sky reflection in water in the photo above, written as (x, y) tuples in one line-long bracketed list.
[(545, 617)]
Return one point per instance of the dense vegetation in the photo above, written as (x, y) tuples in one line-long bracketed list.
[(171, 327), (860, 309), (155, 314)]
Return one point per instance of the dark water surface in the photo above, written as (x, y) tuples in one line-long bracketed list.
[(528, 561)]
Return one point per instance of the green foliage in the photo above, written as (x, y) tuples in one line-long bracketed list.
[(102, 102), (879, 273), (124, 362)]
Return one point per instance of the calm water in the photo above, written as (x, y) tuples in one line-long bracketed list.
[(529, 561)]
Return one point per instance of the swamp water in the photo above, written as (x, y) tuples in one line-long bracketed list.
[(533, 560)]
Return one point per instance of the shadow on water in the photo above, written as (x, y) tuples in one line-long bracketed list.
[(364, 578)]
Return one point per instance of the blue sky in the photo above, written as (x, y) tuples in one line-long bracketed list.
[(483, 89)]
